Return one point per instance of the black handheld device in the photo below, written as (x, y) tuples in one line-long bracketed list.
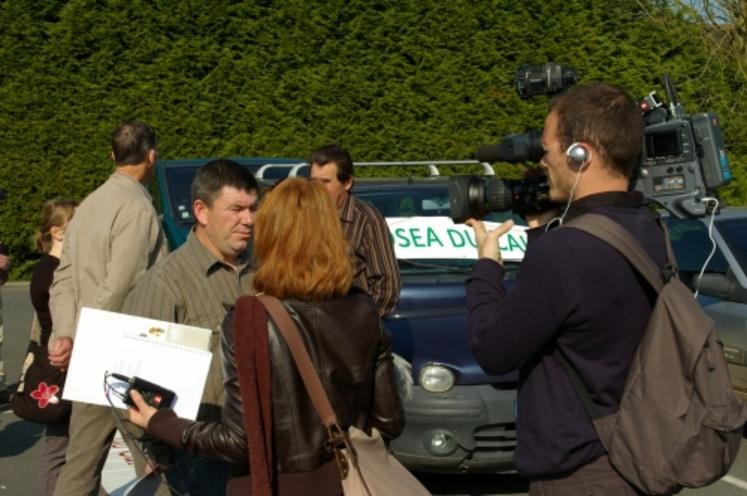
[(153, 394)]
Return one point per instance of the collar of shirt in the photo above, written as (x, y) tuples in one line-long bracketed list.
[(347, 210), (124, 178), (629, 199), (209, 262)]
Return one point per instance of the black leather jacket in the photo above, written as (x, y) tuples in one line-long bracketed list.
[(352, 353)]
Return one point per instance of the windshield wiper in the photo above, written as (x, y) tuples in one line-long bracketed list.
[(449, 268)]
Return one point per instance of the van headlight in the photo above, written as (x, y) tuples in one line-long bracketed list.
[(436, 378)]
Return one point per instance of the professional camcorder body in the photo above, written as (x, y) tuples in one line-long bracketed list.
[(684, 158), (683, 161)]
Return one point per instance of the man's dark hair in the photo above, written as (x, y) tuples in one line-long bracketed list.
[(131, 142), (211, 178), (337, 154), (605, 117)]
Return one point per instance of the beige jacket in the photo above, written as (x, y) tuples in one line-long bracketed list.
[(111, 241)]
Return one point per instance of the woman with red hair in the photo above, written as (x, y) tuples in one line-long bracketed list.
[(304, 260)]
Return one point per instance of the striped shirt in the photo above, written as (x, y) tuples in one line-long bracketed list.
[(192, 287), (376, 269)]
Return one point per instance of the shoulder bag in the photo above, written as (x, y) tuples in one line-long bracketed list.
[(38, 397)]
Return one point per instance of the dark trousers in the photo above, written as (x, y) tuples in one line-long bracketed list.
[(198, 475), (597, 478)]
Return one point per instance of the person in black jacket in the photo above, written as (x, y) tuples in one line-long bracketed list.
[(302, 259), (4, 274), (56, 215), (574, 295)]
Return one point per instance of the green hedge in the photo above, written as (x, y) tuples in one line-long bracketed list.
[(390, 80)]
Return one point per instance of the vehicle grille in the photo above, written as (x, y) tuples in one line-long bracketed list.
[(495, 437)]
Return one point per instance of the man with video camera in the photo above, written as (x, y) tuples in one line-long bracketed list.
[(574, 296)]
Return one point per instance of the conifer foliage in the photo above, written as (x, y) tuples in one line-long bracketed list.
[(390, 80)]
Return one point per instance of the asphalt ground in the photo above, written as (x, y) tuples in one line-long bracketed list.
[(20, 441)]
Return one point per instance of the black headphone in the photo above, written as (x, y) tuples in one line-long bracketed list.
[(579, 155)]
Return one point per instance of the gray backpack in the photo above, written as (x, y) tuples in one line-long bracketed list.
[(679, 423)]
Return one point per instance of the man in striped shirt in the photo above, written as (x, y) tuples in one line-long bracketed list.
[(376, 269), (193, 286)]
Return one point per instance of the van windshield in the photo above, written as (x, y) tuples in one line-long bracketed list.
[(691, 246), (734, 232), (179, 181), (179, 186), (428, 246)]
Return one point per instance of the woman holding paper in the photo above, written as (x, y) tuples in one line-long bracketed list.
[(304, 260)]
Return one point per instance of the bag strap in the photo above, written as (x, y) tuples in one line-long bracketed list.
[(620, 238), (289, 331), (583, 392), (36, 332), (254, 373), (337, 438), (671, 262)]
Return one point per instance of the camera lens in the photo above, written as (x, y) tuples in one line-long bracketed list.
[(497, 195)]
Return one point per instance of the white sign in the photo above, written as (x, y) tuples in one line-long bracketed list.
[(171, 355), (440, 238)]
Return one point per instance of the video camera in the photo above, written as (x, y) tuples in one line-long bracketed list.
[(683, 160), (684, 157)]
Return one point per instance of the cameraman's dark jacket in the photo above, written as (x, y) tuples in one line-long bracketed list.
[(352, 353), (573, 293)]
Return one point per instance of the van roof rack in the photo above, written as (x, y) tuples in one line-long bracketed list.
[(432, 166), (260, 174)]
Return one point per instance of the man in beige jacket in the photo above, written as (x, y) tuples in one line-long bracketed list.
[(113, 239)]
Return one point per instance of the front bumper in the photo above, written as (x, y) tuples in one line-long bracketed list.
[(466, 429)]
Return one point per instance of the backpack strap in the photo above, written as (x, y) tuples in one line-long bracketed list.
[(583, 393), (620, 238), (670, 270)]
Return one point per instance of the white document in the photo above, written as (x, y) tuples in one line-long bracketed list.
[(173, 356)]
